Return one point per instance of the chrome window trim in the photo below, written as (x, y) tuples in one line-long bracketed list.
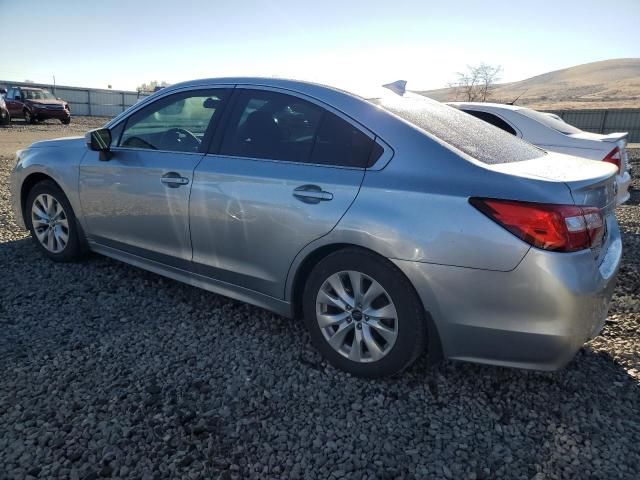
[(131, 149), (275, 160)]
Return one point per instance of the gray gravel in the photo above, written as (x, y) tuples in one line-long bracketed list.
[(109, 371)]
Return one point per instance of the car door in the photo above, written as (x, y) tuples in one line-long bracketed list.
[(282, 175), (138, 200), (14, 106)]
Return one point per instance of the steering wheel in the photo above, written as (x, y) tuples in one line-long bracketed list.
[(180, 139)]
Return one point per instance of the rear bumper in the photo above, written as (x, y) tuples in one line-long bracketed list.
[(537, 316), (623, 182)]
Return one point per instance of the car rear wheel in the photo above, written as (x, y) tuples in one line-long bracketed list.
[(66, 121), (52, 222), (28, 117), (363, 314)]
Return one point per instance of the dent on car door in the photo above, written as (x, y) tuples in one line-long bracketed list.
[(138, 201), (285, 172)]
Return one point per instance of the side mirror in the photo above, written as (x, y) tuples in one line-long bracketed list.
[(99, 140)]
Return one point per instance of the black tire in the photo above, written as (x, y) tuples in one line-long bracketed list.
[(411, 337), (74, 248), (28, 117), (5, 118), (66, 121)]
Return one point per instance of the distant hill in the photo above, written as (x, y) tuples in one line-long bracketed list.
[(606, 84)]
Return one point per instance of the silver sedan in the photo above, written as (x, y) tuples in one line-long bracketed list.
[(392, 225)]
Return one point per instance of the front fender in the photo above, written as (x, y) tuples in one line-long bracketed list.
[(61, 164)]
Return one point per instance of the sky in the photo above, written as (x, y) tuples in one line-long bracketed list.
[(343, 43)]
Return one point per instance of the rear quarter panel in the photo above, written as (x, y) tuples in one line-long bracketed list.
[(416, 209)]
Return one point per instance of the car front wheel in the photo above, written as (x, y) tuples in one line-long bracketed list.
[(52, 222), (28, 116), (363, 314)]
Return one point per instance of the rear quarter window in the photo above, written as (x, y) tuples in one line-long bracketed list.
[(468, 134), (492, 119)]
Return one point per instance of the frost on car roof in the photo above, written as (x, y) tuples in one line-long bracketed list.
[(476, 138)]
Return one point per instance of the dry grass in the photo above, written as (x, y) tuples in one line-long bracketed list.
[(607, 84)]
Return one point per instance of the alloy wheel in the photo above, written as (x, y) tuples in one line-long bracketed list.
[(50, 223), (357, 316)]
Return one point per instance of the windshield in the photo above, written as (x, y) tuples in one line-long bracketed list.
[(475, 137), (38, 95), (551, 121)]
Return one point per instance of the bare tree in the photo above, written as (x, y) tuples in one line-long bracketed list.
[(476, 83), (489, 76)]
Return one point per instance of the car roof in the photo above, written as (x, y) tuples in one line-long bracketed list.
[(31, 88), (259, 81), (351, 102), (485, 105)]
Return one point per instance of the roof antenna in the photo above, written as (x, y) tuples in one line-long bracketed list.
[(513, 102), (399, 87)]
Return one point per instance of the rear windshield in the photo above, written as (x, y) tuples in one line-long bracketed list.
[(549, 121), (475, 137)]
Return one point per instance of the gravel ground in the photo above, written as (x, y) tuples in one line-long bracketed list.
[(109, 371)]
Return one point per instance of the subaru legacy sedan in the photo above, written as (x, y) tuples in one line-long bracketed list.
[(392, 225)]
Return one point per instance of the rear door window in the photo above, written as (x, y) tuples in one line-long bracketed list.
[(277, 126), (340, 143)]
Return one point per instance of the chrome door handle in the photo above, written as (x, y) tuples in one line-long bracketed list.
[(312, 194), (173, 180)]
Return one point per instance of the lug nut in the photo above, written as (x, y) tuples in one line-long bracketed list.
[(359, 326)]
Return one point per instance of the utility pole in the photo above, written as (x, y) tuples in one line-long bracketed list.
[(54, 84)]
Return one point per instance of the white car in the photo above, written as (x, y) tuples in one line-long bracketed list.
[(550, 132)]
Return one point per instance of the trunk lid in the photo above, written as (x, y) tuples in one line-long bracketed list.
[(618, 139), (610, 137), (591, 183)]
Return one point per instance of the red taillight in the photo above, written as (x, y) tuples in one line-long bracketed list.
[(561, 228), (614, 158)]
